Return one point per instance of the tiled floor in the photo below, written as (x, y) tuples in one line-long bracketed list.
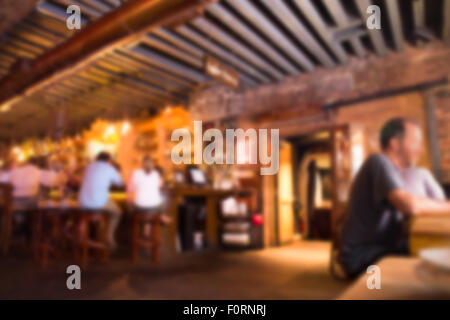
[(297, 271)]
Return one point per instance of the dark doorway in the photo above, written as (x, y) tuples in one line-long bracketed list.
[(313, 185)]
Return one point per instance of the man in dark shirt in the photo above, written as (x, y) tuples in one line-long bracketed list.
[(378, 203)]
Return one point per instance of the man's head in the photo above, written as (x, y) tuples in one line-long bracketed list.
[(147, 163), (402, 138), (104, 157)]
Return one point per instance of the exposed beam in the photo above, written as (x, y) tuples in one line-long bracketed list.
[(13, 11), (234, 45), (446, 20), (376, 37), (14, 50), (44, 33), (321, 27), (299, 30), (57, 12), (25, 45), (395, 22), (218, 51), (165, 47), (343, 21), (179, 42), (234, 23), (124, 60), (144, 75), (127, 62), (130, 22), (114, 3), (419, 13), (258, 19), (165, 63), (86, 10), (99, 5)]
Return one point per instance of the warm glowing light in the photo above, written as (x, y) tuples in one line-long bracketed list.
[(110, 130), (5, 108), (21, 157), (126, 127), (16, 150)]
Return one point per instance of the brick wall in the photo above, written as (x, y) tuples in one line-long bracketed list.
[(442, 105), (295, 105), (359, 78), (370, 116)]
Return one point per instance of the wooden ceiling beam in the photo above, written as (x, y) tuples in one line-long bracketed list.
[(375, 35), (124, 25), (13, 11), (287, 17), (259, 20), (209, 45), (314, 17), (395, 21), (228, 41), (446, 20)]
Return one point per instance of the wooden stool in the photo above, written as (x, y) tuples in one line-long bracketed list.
[(47, 235), (6, 221), (138, 240), (86, 220)]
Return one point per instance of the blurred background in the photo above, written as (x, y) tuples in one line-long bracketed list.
[(139, 69)]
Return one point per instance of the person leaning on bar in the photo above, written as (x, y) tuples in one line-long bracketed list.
[(98, 178), (144, 189), (380, 201)]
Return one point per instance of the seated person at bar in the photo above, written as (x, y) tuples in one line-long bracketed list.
[(145, 189), (379, 200), (25, 180), (98, 178)]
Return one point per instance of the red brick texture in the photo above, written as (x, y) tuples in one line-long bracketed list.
[(443, 121), (295, 105)]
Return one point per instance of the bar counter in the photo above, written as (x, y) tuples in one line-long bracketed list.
[(212, 198), (399, 280)]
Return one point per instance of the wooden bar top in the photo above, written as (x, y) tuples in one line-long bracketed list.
[(399, 280), (431, 225)]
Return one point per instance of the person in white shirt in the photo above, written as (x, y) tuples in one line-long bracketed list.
[(25, 180), (421, 182), (94, 194), (145, 188)]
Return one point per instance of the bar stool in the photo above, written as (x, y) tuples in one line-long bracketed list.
[(8, 209), (88, 220), (6, 216), (47, 234), (139, 220)]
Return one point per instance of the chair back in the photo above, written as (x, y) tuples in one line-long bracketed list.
[(6, 204)]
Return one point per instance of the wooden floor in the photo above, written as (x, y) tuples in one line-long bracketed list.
[(297, 271)]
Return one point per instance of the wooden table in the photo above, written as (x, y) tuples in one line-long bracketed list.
[(399, 280)]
